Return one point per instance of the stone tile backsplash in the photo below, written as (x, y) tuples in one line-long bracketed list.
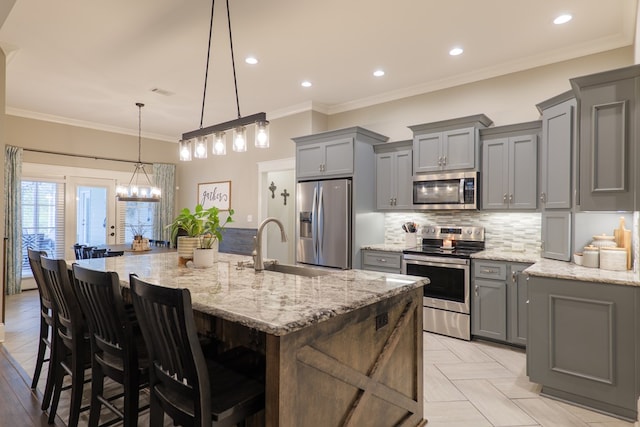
[(502, 230)]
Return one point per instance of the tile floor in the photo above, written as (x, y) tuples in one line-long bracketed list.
[(467, 384)]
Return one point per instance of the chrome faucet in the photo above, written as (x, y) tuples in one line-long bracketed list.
[(258, 265)]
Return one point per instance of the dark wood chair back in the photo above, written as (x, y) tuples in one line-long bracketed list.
[(116, 350), (77, 250), (98, 252), (86, 251), (114, 253)]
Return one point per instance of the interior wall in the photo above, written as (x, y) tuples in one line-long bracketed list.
[(242, 168), (507, 99), (3, 127)]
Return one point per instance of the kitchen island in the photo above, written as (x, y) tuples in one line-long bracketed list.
[(343, 348)]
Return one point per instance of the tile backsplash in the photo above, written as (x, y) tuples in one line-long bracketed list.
[(502, 229)]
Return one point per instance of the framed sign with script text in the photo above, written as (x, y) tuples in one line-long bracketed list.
[(216, 194)]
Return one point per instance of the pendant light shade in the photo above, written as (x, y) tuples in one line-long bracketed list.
[(200, 150), (220, 144), (139, 188), (240, 139), (262, 134), (185, 150)]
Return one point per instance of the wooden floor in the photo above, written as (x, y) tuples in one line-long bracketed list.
[(466, 384)]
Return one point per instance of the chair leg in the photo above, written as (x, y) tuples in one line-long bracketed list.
[(42, 347), (156, 414), (57, 389), (131, 398), (54, 361), (77, 384), (97, 387)]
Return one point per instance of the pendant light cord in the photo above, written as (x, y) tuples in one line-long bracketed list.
[(206, 71), (140, 105), (233, 61)]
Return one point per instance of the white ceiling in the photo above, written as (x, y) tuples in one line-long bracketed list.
[(88, 62)]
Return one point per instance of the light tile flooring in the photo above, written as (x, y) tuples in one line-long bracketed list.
[(466, 384)]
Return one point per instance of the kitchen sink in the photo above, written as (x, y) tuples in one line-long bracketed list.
[(296, 269)]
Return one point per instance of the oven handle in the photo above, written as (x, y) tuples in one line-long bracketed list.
[(435, 261)]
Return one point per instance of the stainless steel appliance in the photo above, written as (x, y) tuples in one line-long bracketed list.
[(456, 190), (324, 227), (445, 258)]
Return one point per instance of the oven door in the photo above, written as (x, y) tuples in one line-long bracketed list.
[(449, 281)]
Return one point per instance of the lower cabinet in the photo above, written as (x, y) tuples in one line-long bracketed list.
[(583, 343), (388, 262), (499, 301)]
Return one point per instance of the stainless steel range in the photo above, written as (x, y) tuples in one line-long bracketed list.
[(445, 258)]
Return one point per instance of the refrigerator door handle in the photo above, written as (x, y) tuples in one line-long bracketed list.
[(320, 222), (314, 223)]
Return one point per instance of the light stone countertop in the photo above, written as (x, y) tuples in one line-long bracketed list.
[(566, 270), (385, 247), (508, 255), (271, 302)]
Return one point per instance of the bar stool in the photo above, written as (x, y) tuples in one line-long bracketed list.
[(117, 347), (86, 251), (46, 326), (98, 252), (77, 250), (193, 391), (72, 345), (113, 253)]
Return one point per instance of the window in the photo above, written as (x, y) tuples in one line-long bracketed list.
[(42, 220), (135, 218)]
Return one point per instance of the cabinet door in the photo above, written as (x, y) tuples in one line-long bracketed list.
[(458, 149), (523, 172), (495, 173), (556, 235), (427, 153), (489, 309), (338, 157), (518, 304), (607, 140), (309, 160), (557, 144), (403, 180), (384, 180)]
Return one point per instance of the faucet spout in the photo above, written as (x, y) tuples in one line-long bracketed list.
[(258, 263)]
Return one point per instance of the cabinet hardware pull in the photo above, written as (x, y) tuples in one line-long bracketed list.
[(477, 290), (513, 276), (382, 260), (543, 197), (510, 198), (504, 197), (444, 160), (527, 302), (488, 270)]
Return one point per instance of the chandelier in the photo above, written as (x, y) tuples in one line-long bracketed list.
[(195, 144), (139, 188)]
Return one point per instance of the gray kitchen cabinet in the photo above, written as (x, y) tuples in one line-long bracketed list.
[(388, 262), (509, 167), (447, 145), (556, 234), (607, 142), (557, 142), (393, 175), (325, 159), (582, 343), (499, 301)]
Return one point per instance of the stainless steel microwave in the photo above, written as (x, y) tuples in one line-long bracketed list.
[(454, 190)]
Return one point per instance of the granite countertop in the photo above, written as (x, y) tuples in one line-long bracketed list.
[(271, 302), (499, 254), (385, 247), (567, 270)]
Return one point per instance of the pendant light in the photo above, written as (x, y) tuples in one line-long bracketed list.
[(139, 188), (194, 143)]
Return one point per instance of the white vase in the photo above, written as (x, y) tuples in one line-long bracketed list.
[(186, 245), (205, 258)]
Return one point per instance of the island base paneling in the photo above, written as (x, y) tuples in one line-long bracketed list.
[(364, 368)]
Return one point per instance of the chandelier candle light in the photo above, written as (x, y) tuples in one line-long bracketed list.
[(194, 144), (139, 188)]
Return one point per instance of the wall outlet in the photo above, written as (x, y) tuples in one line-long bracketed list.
[(382, 320), (517, 247), (249, 218)]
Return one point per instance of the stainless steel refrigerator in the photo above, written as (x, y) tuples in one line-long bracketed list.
[(324, 227)]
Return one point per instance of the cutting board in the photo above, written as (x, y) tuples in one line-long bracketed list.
[(622, 237)]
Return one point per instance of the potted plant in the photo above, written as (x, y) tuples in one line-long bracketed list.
[(203, 230)]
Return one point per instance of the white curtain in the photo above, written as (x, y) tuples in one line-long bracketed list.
[(13, 218), (164, 177)]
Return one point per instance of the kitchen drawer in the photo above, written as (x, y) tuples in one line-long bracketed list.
[(381, 260), (490, 270)]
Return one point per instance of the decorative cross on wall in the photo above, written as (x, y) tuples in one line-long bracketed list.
[(285, 194), (272, 188)]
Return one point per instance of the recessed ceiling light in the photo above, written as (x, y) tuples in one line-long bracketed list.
[(562, 19), (251, 60), (378, 73), (306, 83), (456, 51)]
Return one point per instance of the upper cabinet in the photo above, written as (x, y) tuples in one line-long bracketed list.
[(325, 159), (393, 175), (447, 145), (509, 172), (608, 175)]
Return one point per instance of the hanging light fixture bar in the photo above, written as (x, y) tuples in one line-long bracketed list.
[(138, 189), (194, 144)]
